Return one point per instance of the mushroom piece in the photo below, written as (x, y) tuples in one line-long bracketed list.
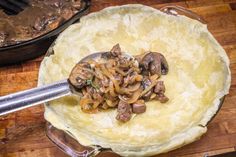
[(113, 53), (145, 84), (116, 50), (139, 107), (159, 88), (162, 98), (132, 78), (147, 96), (38, 25), (155, 63), (104, 105), (41, 23), (104, 82), (124, 111), (119, 78), (124, 64), (80, 75)]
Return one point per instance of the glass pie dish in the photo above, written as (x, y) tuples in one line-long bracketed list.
[(65, 140), (39, 45)]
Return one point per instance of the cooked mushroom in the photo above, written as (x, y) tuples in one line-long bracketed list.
[(147, 96), (116, 50), (155, 63), (139, 107), (80, 75), (118, 78), (145, 84), (132, 78), (38, 25), (123, 117), (162, 98), (104, 106), (42, 22), (115, 81), (124, 111), (159, 88)]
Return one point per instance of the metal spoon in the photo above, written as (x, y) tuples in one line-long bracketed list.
[(35, 96), (20, 100)]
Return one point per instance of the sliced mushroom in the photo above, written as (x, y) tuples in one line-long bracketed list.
[(119, 78), (97, 96), (90, 90), (159, 89), (132, 78), (105, 82), (145, 84), (80, 74), (139, 107), (104, 105), (125, 64), (155, 63), (147, 96), (164, 65), (39, 25), (116, 50)]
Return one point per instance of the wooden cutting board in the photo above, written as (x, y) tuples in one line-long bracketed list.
[(22, 134)]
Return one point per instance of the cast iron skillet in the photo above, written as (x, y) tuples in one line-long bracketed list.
[(37, 46)]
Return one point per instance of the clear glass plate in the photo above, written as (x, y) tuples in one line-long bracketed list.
[(68, 144)]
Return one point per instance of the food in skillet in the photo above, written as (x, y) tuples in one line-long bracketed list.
[(39, 17), (119, 81)]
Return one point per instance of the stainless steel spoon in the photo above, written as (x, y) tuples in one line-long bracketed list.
[(35, 96), (20, 100)]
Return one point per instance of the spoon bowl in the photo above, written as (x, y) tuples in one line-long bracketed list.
[(35, 96)]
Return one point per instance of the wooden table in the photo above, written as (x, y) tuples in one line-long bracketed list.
[(22, 133)]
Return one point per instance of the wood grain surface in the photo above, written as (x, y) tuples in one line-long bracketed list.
[(22, 134)]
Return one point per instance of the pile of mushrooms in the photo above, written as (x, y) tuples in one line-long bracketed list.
[(118, 81)]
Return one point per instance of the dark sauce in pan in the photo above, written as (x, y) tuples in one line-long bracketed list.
[(40, 17)]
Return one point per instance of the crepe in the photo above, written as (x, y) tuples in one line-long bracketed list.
[(198, 77)]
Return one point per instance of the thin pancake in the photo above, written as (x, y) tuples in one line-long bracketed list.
[(199, 76)]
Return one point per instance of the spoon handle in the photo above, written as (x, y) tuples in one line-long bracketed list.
[(20, 100)]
